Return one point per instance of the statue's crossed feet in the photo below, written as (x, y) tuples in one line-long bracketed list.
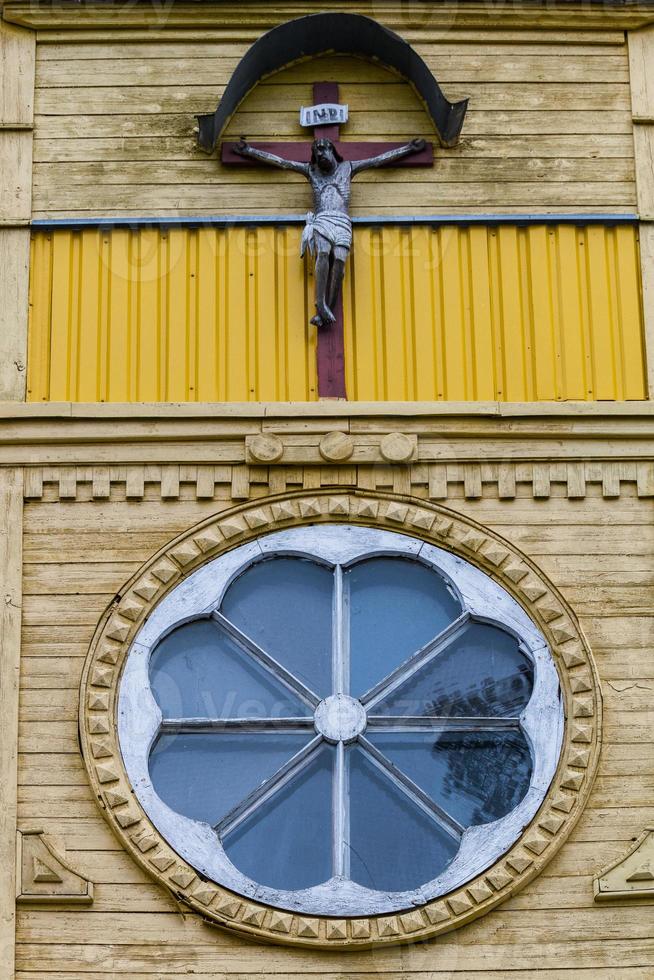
[(324, 316)]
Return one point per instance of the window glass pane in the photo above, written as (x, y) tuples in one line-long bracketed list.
[(475, 776), (203, 776), (285, 606), (482, 673), (394, 846), (396, 607), (287, 842), (199, 672)]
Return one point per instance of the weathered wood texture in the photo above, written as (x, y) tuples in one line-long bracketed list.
[(17, 59), (14, 289), (208, 314), (548, 129), (11, 561), (641, 65), (78, 555)]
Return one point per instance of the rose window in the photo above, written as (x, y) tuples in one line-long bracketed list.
[(340, 720)]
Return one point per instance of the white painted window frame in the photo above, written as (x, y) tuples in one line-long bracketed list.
[(338, 546)]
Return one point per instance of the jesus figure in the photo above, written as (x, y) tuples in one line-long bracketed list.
[(328, 230)]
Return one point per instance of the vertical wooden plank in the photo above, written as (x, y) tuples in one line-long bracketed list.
[(15, 176), (571, 334), (422, 301), (647, 269), (641, 76), (235, 316), (14, 289), (177, 284), (393, 312), (544, 353), (644, 150), (206, 306), (40, 319), (148, 315), (641, 53), (454, 353), (17, 61), (11, 561), (513, 328), (363, 353), (600, 312), (630, 313), (483, 350), (119, 346)]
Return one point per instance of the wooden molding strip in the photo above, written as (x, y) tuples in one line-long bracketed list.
[(76, 17), (11, 562)]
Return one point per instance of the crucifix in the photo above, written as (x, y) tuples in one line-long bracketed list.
[(329, 164)]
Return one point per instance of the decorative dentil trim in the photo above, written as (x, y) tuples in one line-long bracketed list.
[(630, 876), (44, 875), (434, 524), (441, 481)]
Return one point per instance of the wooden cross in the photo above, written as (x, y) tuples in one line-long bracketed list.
[(330, 342)]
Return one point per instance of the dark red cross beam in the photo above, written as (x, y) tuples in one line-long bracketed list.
[(330, 343)]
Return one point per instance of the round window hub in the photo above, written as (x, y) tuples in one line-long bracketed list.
[(340, 718)]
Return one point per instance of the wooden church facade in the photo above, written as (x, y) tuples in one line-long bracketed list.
[(165, 402)]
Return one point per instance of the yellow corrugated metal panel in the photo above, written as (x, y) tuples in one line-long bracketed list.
[(448, 313)]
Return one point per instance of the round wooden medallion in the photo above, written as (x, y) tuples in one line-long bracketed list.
[(436, 525)]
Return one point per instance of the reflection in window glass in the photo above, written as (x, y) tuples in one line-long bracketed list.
[(394, 846), (285, 606), (476, 777), (203, 776), (396, 607), (199, 672), (287, 843), (482, 673)]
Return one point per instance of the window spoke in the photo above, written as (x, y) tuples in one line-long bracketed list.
[(341, 813), (412, 791), (341, 634), (244, 725), (440, 723), (415, 663), (267, 789), (292, 682)]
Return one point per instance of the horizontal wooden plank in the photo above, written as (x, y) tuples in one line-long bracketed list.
[(630, 973), (455, 65), (367, 198), (194, 99), (447, 170), (142, 148), (509, 928), (178, 124)]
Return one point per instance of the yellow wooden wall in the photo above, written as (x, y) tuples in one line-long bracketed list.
[(78, 554), (548, 128), (450, 313)]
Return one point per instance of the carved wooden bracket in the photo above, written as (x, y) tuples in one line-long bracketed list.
[(631, 876), (44, 875)]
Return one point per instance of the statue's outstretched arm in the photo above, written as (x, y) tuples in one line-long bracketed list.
[(415, 146), (244, 149)]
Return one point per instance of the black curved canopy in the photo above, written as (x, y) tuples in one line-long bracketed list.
[(318, 34)]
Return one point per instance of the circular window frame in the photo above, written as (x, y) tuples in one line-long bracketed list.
[(201, 594), (426, 525)]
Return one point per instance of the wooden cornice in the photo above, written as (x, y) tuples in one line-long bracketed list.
[(87, 15)]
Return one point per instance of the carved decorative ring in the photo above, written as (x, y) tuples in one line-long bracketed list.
[(433, 524)]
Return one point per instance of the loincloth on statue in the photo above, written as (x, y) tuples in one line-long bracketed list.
[(335, 226)]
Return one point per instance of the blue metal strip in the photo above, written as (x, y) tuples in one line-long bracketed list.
[(230, 221)]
